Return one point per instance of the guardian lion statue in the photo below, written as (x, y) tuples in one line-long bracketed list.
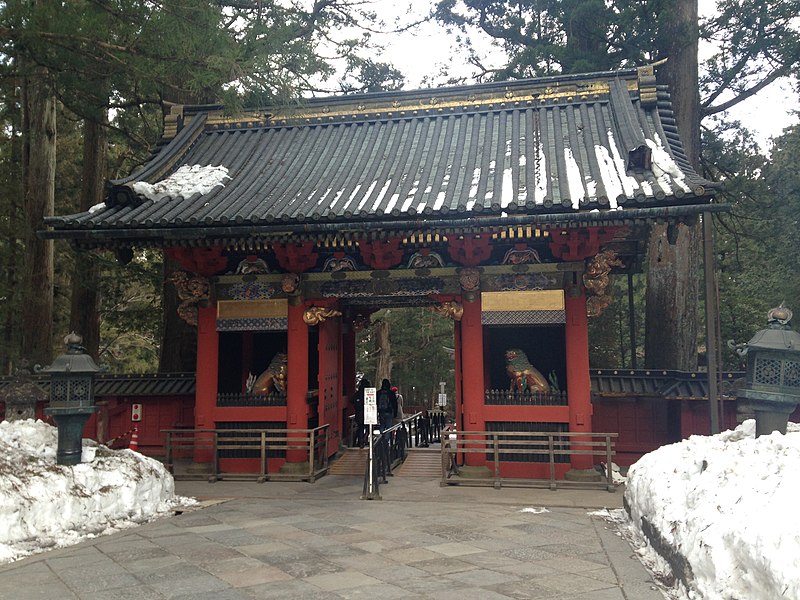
[(271, 381), (524, 376)]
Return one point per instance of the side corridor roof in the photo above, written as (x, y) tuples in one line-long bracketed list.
[(552, 146)]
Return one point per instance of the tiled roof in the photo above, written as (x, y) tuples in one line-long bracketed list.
[(605, 382), (556, 146), (665, 384), (157, 384)]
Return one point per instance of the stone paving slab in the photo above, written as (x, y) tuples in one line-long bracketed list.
[(320, 541)]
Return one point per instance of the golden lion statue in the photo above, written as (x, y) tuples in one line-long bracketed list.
[(524, 376), (272, 380)]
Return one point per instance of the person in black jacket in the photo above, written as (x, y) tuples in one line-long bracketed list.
[(387, 405)]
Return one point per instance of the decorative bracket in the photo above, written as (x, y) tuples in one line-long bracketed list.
[(577, 244), (469, 250), (296, 258), (203, 261), (381, 254)]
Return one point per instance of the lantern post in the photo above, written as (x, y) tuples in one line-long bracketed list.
[(72, 377), (772, 388)]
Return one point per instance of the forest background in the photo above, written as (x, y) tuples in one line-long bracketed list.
[(84, 83)]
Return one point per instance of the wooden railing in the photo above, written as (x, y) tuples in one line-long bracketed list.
[(421, 429), (523, 446), (262, 443), (515, 398), (239, 399)]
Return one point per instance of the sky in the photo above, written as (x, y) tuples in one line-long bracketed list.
[(429, 53), (727, 503)]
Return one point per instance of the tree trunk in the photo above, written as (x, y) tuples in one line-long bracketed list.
[(39, 194), (11, 231), (85, 310), (672, 276), (383, 367), (179, 339)]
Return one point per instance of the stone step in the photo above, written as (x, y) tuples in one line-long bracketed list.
[(420, 462)]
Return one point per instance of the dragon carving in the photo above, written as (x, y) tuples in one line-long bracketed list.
[(596, 280), (317, 314), (191, 291), (450, 309)]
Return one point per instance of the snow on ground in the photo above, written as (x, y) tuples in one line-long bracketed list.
[(725, 505), (44, 505), (728, 504)]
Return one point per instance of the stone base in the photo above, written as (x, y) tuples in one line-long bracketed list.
[(196, 468), (583, 475), (294, 468), (468, 472)]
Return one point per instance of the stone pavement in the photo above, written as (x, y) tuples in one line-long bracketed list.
[(320, 541)]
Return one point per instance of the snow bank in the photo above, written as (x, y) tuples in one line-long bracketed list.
[(185, 182), (724, 510), (44, 505)]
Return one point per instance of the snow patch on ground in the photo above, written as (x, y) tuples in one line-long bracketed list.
[(728, 505), (44, 505)]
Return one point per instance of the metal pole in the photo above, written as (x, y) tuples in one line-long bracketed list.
[(711, 320), (371, 470)]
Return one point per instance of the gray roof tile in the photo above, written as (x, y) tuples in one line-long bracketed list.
[(555, 145)]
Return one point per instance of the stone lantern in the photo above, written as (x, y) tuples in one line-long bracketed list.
[(71, 397), (772, 388)]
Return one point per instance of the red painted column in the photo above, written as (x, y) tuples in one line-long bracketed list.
[(205, 402), (578, 381), (458, 394), (297, 377), (473, 389)]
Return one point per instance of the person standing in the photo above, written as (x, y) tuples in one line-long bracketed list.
[(358, 405), (398, 416), (387, 405)]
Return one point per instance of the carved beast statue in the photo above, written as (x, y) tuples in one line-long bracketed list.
[(272, 380), (524, 376)]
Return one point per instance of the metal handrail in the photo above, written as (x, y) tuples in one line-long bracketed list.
[(313, 442), (457, 444)]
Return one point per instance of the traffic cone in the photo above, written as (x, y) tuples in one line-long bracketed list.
[(134, 445)]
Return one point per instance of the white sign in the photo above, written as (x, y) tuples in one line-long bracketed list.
[(442, 399), (370, 406)]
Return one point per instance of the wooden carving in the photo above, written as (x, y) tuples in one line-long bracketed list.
[(191, 291), (523, 375), (596, 280), (317, 314), (452, 310)]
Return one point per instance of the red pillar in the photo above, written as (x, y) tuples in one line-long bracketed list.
[(473, 390), (205, 401), (458, 394), (297, 377), (578, 381)]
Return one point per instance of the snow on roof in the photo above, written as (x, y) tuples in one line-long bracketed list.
[(185, 182)]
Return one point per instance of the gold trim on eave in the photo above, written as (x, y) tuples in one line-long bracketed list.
[(252, 309), (532, 300)]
